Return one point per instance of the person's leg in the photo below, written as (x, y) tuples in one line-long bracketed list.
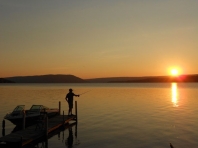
[(71, 107), (68, 111)]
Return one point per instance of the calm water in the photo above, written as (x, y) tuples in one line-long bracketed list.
[(116, 115)]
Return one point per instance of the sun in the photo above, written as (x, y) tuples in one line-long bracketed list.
[(174, 72)]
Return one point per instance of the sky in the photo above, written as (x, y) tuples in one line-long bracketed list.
[(98, 38)]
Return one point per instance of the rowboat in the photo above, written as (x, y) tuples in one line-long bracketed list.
[(31, 115)]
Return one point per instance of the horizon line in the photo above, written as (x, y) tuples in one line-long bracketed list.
[(99, 77)]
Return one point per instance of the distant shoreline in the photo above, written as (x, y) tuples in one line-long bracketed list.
[(59, 78)]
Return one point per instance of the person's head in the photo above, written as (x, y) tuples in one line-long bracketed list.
[(70, 90)]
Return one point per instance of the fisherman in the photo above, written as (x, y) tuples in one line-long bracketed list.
[(69, 99)]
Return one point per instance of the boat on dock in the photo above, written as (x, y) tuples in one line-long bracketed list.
[(27, 136), (31, 115)]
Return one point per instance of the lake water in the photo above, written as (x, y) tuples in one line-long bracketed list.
[(134, 115)]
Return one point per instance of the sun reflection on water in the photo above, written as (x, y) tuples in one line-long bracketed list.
[(174, 95)]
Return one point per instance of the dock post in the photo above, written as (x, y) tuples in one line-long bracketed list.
[(46, 125), (76, 112), (46, 143), (76, 131), (21, 142), (63, 117), (3, 128), (24, 119), (59, 107)]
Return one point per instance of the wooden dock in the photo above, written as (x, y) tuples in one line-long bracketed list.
[(35, 132)]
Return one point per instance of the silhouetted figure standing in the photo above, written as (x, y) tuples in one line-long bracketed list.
[(69, 99)]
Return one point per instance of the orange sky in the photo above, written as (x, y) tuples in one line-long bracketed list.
[(92, 39)]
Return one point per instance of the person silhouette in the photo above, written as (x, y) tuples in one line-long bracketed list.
[(69, 99)]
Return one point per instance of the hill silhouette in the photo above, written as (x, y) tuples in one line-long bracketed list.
[(47, 79), (167, 79), (111, 79), (73, 79), (2, 80), (147, 79)]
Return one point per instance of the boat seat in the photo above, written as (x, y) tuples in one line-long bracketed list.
[(16, 113), (41, 121)]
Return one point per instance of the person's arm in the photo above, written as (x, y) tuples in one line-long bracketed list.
[(76, 95)]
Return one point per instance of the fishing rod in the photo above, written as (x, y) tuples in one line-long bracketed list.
[(85, 92)]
